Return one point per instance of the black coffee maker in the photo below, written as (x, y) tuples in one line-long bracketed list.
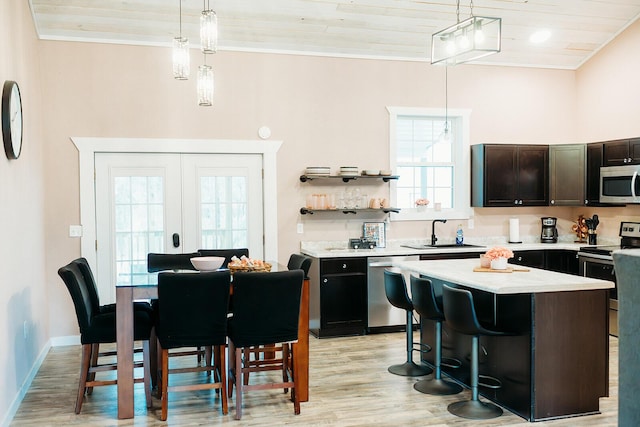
[(549, 231)]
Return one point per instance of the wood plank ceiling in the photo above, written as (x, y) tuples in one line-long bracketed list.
[(389, 29)]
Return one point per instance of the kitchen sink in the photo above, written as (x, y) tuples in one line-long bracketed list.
[(451, 245)]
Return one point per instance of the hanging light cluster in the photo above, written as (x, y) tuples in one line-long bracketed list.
[(208, 45)]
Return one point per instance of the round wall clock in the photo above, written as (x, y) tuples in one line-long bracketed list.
[(11, 119)]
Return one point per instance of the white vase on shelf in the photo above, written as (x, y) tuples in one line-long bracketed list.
[(499, 264)]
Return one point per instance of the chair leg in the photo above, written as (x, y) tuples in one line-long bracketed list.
[(285, 368), (95, 351), (296, 381), (158, 374), (239, 382), (410, 369), (164, 382), (153, 357), (437, 386), (475, 409), (247, 358), (232, 369), (220, 356), (84, 370), (146, 366)]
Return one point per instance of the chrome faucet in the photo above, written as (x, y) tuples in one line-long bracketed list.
[(434, 239)]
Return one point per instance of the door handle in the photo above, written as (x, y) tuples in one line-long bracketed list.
[(176, 240)]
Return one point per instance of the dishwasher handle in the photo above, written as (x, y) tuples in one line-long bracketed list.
[(381, 264)]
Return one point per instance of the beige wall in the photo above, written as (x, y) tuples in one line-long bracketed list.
[(327, 111), (23, 288)]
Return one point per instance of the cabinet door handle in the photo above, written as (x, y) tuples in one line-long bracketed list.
[(325, 280), (344, 266), (553, 202)]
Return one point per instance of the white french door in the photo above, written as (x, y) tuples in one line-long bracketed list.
[(172, 203)]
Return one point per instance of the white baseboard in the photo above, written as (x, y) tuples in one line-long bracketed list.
[(66, 340), (13, 408)]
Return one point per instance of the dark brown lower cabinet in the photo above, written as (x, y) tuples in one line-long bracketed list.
[(338, 297), (556, 363)]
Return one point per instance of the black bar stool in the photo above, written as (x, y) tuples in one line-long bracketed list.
[(396, 290), (428, 307), (461, 316)]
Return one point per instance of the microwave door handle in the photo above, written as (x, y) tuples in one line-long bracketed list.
[(633, 183)]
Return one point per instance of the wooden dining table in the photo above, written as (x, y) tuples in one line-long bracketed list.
[(127, 294)]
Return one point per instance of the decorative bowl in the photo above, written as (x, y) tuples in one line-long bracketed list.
[(207, 263)]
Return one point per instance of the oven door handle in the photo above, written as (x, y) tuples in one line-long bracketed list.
[(633, 184)]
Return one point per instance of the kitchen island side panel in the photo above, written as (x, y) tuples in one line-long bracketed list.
[(571, 352)]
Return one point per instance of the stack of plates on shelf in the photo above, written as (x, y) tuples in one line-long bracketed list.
[(318, 170), (348, 170)]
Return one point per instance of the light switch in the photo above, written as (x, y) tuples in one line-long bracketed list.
[(470, 224), (300, 228), (75, 231)]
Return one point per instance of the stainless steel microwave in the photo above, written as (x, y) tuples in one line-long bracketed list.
[(620, 184)]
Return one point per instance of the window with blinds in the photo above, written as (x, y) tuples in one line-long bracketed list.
[(432, 164)]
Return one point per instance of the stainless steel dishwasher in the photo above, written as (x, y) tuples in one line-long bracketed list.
[(383, 317)]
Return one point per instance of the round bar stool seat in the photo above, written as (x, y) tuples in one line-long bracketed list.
[(426, 305), (396, 292), (461, 315)]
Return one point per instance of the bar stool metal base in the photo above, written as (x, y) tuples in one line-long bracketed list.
[(438, 387), (475, 410), (410, 369)]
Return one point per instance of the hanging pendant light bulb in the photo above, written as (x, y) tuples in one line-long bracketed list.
[(445, 136), (208, 30), (205, 84), (181, 60)]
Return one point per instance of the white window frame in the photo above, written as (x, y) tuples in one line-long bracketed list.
[(462, 181)]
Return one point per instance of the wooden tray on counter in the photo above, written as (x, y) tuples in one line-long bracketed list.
[(507, 270)]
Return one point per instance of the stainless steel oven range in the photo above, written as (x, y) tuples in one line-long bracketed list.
[(597, 262)]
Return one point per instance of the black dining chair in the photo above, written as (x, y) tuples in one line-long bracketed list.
[(100, 328), (299, 262), (192, 313), (226, 253), (164, 262), (266, 310)]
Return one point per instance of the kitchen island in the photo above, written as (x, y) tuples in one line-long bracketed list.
[(556, 362)]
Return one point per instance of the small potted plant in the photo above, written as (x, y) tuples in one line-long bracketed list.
[(421, 204), (498, 256)]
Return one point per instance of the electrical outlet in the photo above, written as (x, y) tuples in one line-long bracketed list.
[(470, 224), (300, 228)]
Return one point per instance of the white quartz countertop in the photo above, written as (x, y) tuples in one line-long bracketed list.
[(338, 249), (460, 271)]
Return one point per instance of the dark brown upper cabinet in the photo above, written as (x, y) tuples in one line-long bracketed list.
[(567, 174), (509, 175), (621, 152), (594, 163)]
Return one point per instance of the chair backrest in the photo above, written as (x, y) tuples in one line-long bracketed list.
[(162, 262), (89, 279), (424, 299), (226, 253), (266, 307), (396, 290), (192, 308), (299, 262), (80, 294), (460, 311)]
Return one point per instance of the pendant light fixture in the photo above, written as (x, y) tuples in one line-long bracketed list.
[(181, 60), (471, 39), (205, 84), (208, 29), (208, 45)]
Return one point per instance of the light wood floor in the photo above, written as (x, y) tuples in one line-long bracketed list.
[(350, 386)]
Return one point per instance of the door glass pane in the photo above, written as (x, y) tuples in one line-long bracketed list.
[(139, 219), (223, 209)]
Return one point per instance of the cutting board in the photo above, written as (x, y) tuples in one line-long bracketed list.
[(507, 270)]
